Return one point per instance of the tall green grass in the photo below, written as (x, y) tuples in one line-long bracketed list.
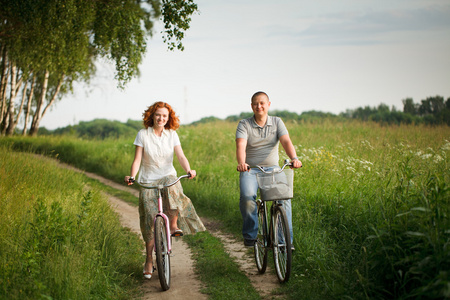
[(374, 214), (59, 239), (371, 204)]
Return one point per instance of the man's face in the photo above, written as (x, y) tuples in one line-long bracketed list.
[(260, 105)]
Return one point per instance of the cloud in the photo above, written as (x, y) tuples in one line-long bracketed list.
[(372, 27)]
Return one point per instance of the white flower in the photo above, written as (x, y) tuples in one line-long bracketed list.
[(446, 147), (351, 169), (438, 158)]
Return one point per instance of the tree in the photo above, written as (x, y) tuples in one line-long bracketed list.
[(47, 45), (409, 107)]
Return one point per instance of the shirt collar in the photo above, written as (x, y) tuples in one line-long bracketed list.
[(268, 122), (165, 132)]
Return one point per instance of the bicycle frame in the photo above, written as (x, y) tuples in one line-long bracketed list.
[(267, 229), (166, 220), (160, 207), (269, 235)]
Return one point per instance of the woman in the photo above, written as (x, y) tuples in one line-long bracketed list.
[(153, 158)]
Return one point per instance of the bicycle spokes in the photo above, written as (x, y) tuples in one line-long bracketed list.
[(282, 246), (162, 252), (260, 244)]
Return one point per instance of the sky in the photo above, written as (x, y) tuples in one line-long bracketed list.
[(323, 55)]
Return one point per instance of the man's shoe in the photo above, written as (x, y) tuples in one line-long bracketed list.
[(249, 243)]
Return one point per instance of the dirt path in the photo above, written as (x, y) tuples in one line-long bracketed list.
[(184, 280)]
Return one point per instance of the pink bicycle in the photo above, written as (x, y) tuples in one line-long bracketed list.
[(163, 243)]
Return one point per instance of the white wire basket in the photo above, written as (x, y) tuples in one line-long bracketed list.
[(276, 186)]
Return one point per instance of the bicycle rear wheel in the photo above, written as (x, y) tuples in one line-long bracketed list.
[(282, 252), (260, 247), (162, 253)]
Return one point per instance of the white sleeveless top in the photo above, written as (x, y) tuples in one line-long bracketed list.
[(157, 158)]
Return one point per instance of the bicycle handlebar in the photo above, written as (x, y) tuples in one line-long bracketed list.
[(286, 163), (160, 186)]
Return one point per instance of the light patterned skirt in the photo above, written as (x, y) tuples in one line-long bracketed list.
[(174, 202)]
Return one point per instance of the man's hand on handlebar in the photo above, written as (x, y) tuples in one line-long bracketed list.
[(243, 167), (296, 164)]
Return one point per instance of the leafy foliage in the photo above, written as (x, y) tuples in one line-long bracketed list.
[(101, 129), (47, 45)]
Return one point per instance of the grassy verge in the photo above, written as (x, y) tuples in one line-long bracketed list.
[(59, 238), (217, 270)]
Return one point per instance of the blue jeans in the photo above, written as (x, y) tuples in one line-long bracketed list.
[(247, 203)]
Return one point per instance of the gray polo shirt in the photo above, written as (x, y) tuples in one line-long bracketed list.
[(262, 142)]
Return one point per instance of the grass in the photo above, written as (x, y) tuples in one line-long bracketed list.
[(217, 270), (58, 236), (371, 204)]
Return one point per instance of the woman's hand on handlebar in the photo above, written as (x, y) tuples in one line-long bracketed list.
[(129, 180), (192, 174)]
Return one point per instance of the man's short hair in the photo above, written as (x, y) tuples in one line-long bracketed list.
[(260, 93)]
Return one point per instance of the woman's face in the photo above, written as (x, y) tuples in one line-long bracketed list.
[(160, 117)]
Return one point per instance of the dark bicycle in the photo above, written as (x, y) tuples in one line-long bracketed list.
[(273, 229)]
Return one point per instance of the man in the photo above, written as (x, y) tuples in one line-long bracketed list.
[(257, 144)]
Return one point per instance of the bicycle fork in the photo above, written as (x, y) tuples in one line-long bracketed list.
[(272, 225), (166, 221)]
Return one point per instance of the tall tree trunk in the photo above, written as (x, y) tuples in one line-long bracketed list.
[(3, 85), (10, 112), (38, 117), (16, 82), (15, 120), (27, 114), (37, 114), (55, 95)]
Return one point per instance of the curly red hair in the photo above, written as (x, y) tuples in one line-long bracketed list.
[(173, 122)]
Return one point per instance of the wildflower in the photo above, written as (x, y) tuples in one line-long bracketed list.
[(438, 158), (446, 147), (426, 156), (367, 143)]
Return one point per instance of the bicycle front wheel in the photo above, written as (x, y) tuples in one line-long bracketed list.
[(162, 253), (260, 246), (282, 252)]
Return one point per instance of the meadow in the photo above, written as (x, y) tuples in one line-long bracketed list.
[(370, 209), (59, 238)]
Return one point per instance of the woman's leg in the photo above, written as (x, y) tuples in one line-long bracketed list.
[(148, 267), (173, 222)]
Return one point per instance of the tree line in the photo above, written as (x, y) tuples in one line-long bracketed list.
[(439, 114), (430, 111), (47, 45)]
